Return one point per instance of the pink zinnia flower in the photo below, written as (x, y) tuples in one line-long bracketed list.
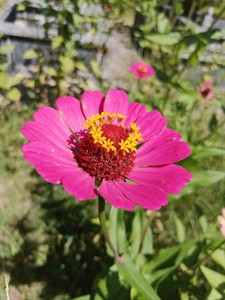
[(205, 90), (221, 221), (142, 70), (104, 145)]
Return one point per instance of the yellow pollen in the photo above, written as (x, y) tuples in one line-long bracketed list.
[(142, 69), (94, 126)]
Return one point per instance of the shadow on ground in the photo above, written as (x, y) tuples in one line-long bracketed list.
[(61, 248)]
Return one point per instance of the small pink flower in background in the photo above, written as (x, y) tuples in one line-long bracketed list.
[(221, 221), (205, 90), (108, 146), (142, 70)]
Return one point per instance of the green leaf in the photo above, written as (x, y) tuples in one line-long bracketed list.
[(215, 279), (16, 79), (207, 152), (147, 246), (112, 228), (81, 66), (51, 71), (135, 295), (171, 256), (180, 228), (4, 81), (67, 64), (160, 275), (85, 297), (179, 9), (110, 287), (165, 39), (219, 34), (137, 230), (204, 178), (134, 278), (7, 48), (163, 259), (141, 238), (219, 257), (163, 24), (57, 42), (203, 223), (214, 295), (122, 244), (14, 94), (117, 230), (29, 54)]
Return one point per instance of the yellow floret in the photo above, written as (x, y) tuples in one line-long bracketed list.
[(94, 124)]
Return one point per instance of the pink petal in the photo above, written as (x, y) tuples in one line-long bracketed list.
[(221, 220), (36, 132), (91, 103), (49, 116), (150, 71), (168, 152), (135, 65), (109, 191), (53, 173), (70, 111), (151, 124), (135, 69), (171, 179), (222, 230), (36, 152), (116, 101), (148, 196), (135, 111), (79, 184), (167, 134)]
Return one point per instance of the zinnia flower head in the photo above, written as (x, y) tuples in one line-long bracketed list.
[(142, 70), (221, 221), (205, 90), (105, 145)]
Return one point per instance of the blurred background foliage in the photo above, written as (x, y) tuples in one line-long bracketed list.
[(51, 245)]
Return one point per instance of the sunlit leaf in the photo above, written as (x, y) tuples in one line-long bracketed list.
[(80, 65), (207, 152), (85, 297), (134, 278), (4, 80), (30, 54), (67, 64), (14, 94), (6, 48), (219, 34), (164, 39), (215, 279), (180, 228), (57, 42), (163, 24), (214, 295), (135, 295), (204, 178), (219, 257)]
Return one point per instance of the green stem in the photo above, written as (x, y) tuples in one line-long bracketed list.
[(102, 218)]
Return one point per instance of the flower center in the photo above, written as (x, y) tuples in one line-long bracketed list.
[(107, 148), (142, 69)]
